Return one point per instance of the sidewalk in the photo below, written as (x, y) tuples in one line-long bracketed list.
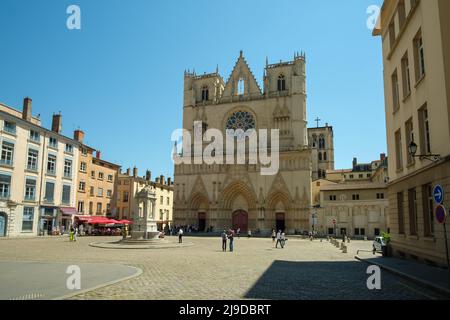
[(432, 277)]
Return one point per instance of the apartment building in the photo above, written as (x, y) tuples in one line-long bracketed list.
[(37, 174), (97, 182), (129, 185), (353, 201), (415, 38)]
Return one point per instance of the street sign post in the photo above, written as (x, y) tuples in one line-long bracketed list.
[(441, 217)]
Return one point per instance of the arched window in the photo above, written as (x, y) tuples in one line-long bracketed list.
[(205, 93), (325, 156), (314, 140), (241, 87), (281, 83), (320, 156), (321, 142)]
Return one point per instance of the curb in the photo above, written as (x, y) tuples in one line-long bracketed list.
[(103, 285), (425, 283)]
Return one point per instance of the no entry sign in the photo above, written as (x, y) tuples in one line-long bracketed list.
[(441, 214)]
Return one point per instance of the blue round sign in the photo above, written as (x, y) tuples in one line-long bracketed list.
[(438, 194), (441, 214)]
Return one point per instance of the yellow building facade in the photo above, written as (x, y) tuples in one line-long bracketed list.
[(416, 56)]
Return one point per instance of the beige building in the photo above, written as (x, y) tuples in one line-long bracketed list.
[(321, 142), (130, 185), (97, 182), (238, 195), (37, 174), (353, 201), (416, 56)]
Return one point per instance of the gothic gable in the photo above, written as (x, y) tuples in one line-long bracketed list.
[(241, 71)]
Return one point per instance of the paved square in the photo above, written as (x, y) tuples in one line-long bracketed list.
[(255, 270)]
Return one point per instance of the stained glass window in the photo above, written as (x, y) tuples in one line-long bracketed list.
[(241, 120)]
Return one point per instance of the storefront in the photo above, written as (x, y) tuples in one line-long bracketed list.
[(47, 221), (66, 219)]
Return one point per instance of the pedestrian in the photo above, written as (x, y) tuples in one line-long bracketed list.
[(71, 234), (274, 235), (249, 233), (279, 240), (238, 232), (75, 234), (283, 240), (231, 238), (224, 241), (180, 236)]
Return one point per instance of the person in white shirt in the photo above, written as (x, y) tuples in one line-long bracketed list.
[(283, 239), (180, 236), (279, 239)]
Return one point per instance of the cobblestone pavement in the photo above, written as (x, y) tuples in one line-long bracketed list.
[(256, 270)]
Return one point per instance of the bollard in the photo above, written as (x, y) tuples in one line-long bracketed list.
[(365, 238), (348, 240), (344, 249), (342, 245)]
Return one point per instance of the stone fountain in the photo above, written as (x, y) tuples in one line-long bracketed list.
[(145, 227), (144, 234)]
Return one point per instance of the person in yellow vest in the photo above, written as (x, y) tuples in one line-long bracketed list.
[(72, 234)]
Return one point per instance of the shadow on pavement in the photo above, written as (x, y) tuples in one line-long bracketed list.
[(346, 280)]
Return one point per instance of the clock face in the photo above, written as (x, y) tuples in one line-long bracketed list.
[(241, 120)]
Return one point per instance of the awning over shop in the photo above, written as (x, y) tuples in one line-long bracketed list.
[(68, 211), (83, 218)]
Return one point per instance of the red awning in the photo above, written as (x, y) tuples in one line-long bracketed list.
[(68, 211), (83, 218), (125, 222)]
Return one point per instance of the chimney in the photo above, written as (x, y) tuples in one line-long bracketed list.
[(135, 172), (26, 112), (161, 179), (57, 123), (78, 135), (98, 154), (128, 171), (383, 156), (355, 162), (169, 181), (148, 175), (157, 180)]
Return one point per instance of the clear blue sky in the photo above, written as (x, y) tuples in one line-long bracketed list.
[(120, 78)]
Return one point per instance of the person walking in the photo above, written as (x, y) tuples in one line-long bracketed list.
[(249, 233), (279, 240), (274, 235), (231, 238), (71, 234), (238, 232), (283, 240), (180, 235), (224, 241), (75, 234)]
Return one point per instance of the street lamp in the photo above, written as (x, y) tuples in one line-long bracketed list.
[(412, 149)]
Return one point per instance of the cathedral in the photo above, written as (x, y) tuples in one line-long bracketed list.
[(225, 196)]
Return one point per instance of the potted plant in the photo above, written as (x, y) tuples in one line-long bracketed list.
[(387, 249)]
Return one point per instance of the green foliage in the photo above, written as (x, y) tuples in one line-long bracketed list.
[(386, 237)]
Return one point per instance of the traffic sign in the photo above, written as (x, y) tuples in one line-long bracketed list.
[(438, 194), (441, 214)]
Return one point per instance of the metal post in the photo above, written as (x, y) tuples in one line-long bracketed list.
[(446, 245)]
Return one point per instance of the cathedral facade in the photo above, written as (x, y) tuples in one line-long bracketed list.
[(237, 195)]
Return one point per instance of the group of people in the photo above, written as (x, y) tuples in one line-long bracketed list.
[(227, 237), (280, 238)]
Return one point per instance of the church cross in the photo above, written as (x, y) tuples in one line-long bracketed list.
[(317, 120)]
